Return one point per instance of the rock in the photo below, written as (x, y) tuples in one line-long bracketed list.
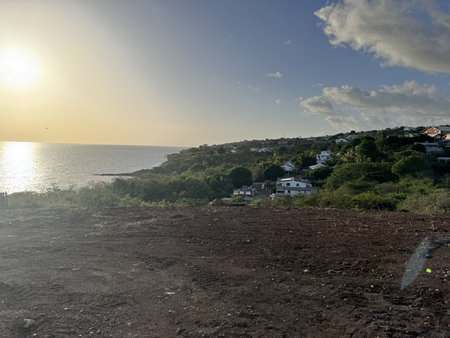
[(28, 323)]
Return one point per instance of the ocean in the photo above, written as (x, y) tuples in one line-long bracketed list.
[(31, 166)]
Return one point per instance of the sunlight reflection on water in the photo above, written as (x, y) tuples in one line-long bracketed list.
[(18, 160), (29, 166)]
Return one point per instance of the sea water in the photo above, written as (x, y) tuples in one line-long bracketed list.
[(31, 166)]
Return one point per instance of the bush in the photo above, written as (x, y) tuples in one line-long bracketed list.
[(356, 187), (324, 199), (191, 202), (128, 201), (420, 186), (372, 201), (283, 202), (319, 173), (410, 165), (435, 202), (256, 203), (237, 199), (99, 195), (335, 200), (367, 171), (387, 188)]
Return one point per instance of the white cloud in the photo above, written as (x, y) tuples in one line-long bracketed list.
[(277, 101), (256, 90), (287, 42), (317, 105), (317, 85), (392, 31), (410, 103), (275, 75)]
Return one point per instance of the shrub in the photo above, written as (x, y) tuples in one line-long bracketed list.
[(129, 201), (410, 165), (99, 195), (367, 171), (335, 200), (256, 203), (435, 202), (416, 186), (191, 202), (237, 199), (372, 201)]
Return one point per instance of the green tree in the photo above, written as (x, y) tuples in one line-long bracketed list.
[(409, 166), (220, 184), (419, 147), (304, 160), (193, 188), (257, 173), (367, 171), (240, 176), (368, 151), (319, 173), (273, 172)]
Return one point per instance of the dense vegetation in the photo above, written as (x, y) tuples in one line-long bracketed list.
[(385, 169)]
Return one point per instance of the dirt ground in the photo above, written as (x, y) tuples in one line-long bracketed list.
[(220, 271)]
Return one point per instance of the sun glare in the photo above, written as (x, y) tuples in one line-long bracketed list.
[(18, 69)]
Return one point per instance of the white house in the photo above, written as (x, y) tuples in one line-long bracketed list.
[(341, 141), (265, 150), (288, 166), (317, 166), (247, 192), (292, 186), (323, 157)]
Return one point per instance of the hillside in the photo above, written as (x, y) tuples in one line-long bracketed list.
[(391, 169)]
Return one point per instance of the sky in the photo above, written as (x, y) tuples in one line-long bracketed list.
[(185, 73)]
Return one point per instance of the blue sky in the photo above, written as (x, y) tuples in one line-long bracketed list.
[(168, 72)]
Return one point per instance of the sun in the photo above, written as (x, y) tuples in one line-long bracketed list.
[(18, 69)]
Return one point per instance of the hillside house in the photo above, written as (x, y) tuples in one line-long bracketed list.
[(317, 166), (352, 137), (247, 192), (288, 166), (437, 132), (292, 186), (323, 157), (341, 141)]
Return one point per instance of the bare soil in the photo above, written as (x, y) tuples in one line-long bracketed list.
[(220, 271)]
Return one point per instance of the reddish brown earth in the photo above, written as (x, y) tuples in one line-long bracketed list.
[(220, 271)]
